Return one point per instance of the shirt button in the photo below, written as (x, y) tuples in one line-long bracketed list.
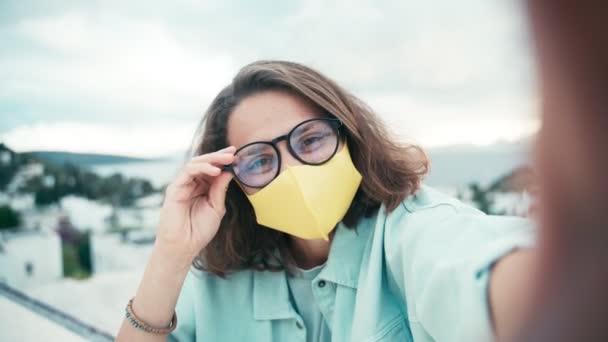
[(299, 325), (321, 283)]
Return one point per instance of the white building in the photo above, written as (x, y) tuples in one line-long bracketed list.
[(24, 174), (153, 200), (511, 203), (22, 202), (41, 219), (5, 199), (112, 253), (5, 157), (86, 214), (30, 258)]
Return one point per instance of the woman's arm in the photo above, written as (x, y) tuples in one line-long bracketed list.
[(190, 216), (571, 40), (156, 297), (567, 294), (510, 290), (442, 255)]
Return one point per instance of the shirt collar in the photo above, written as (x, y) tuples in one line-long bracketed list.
[(271, 291), (345, 255), (271, 296)]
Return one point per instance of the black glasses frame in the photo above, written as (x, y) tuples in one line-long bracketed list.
[(336, 124)]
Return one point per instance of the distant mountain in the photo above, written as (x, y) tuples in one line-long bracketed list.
[(49, 177), (159, 170), (453, 166), (83, 159)]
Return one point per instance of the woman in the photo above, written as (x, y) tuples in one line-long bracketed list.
[(305, 221)]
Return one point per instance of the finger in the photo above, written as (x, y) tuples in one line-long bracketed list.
[(189, 191), (192, 170), (216, 159), (217, 192), (201, 188), (226, 151)]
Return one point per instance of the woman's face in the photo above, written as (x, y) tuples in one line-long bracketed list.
[(265, 116)]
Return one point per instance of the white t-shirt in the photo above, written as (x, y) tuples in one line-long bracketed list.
[(300, 286)]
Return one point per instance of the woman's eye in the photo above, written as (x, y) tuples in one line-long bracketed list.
[(259, 165), (312, 142)]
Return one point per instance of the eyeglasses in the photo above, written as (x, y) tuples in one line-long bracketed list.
[(312, 142)]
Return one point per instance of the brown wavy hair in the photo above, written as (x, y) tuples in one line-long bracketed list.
[(391, 170)]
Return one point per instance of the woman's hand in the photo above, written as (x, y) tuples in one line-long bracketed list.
[(194, 205), (190, 217)]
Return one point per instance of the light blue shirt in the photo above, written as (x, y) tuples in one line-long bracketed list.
[(419, 273)]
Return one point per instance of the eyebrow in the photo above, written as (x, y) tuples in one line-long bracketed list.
[(304, 130), (256, 149)]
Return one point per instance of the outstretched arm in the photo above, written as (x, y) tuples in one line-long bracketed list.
[(570, 301)]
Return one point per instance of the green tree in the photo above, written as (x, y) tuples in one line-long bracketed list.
[(71, 265), (9, 218), (480, 197), (84, 252)]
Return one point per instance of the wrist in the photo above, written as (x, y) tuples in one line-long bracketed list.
[(170, 258), (156, 297)]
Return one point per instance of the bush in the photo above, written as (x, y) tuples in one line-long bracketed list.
[(9, 219), (77, 257)]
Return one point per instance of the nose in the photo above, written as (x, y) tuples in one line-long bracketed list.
[(287, 159)]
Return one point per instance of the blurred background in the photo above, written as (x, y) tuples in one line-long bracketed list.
[(99, 101)]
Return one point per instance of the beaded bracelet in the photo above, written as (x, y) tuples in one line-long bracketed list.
[(141, 325)]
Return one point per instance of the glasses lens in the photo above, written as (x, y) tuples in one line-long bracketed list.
[(256, 165), (314, 142)]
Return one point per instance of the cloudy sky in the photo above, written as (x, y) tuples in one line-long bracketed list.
[(134, 77)]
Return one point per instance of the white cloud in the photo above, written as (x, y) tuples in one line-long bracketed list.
[(112, 64), (68, 31), (146, 139), (438, 72), (435, 124)]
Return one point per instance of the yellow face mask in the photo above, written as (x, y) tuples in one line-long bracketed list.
[(308, 201)]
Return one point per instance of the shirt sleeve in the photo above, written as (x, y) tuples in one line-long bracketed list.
[(184, 309), (440, 257)]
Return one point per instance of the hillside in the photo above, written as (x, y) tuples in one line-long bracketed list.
[(82, 159)]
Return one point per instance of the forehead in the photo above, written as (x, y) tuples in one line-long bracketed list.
[(266, 115)]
